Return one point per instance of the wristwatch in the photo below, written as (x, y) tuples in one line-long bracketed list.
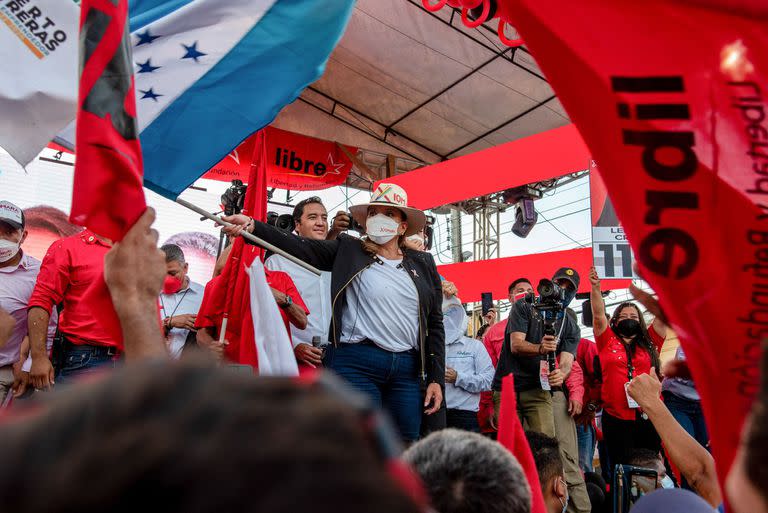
[(288, 302)]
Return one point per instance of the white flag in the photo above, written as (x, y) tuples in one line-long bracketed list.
[(38, 77), (273, 347)]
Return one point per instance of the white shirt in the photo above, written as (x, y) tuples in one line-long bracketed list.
[(382, 306), (185, 301), (16, 285), (315, 291), (474, 369)]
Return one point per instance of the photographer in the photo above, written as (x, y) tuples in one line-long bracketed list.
[(386, 308), (627, 349), (526, 349)]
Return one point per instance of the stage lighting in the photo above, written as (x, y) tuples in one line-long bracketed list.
[(525, 217)]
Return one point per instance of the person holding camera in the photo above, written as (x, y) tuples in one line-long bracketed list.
[(527, 348), (386, 334), (627, 349)]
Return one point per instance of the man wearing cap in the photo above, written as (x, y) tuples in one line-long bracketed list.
[(18, 272), (70, 266), (525, 350), (387, 337)]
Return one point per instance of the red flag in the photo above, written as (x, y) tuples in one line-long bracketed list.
[(107, 194), (512, 436), (230, 295), (671, 100)]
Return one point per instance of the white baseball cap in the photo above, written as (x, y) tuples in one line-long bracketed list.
[(11, 214)]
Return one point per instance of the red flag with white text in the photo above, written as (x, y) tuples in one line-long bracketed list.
[(670, 97)]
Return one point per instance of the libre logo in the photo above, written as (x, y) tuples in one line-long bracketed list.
[(37, 31), (292, 162)]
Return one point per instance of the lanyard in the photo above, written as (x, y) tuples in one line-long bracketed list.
[(177, 304), (630, 365)]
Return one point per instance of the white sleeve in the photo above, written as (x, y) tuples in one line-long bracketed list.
[(481, 379)]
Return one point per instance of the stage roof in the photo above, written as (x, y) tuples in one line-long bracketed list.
[(423, 87)]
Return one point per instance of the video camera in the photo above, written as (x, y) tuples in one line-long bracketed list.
[(233, 198), (549, 305), (282, 222)]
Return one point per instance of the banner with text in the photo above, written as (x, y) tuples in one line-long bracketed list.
[(295, 162), (610, 249), (678, 124)]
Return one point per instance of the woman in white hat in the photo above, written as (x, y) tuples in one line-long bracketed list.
[(386, 330)]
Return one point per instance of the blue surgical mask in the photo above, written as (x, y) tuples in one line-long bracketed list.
[(570, 295), (667, 482)]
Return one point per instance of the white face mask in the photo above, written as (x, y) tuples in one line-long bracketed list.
[(8, 249), (567, 497), (667, 482), (381, 229)]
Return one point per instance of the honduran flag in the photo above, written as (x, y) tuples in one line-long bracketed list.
[(208, 73)]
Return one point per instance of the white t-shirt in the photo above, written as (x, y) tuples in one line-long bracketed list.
[(382, 306), (315, 292)]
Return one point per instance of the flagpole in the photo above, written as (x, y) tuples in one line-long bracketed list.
[(261, 242)]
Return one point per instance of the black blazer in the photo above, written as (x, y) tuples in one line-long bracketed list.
[(345, 259)]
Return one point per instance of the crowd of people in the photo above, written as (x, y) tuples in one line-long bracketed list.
[(399, 368)]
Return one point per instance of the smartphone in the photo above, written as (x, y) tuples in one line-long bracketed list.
[(487, 299)]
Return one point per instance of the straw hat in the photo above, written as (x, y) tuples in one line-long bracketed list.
[(391, 195)]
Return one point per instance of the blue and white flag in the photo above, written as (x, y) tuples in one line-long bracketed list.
[(211, 72)]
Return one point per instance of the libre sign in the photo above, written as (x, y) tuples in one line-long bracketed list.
[(295, 162)]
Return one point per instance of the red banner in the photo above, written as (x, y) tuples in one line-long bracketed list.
[(294, 161), (474, 278), (520, 162), (671, 100)]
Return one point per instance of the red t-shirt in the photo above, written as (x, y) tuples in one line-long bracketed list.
[(492, 340), (69, 268), (613, 362)]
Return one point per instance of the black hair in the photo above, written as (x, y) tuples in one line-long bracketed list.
[(516, 283), (298, 210), (645, 458), (173, 253), (755, 441), (546, 454), (643, 340), (156, 432), (481, 330)]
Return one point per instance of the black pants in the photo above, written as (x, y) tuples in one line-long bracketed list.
[(622, 436), (462, 419)]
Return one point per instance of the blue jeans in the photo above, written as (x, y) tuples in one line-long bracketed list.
[(688, 414), (82, 360), (587, 440), (390, 379)]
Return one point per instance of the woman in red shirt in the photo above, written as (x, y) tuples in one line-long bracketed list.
[(626, 349)]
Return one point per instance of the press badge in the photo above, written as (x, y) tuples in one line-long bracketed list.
[(630, 402), (544, 375)]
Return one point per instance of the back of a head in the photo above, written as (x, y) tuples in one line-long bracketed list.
[(644, 458), (546, 454), (193, 438), (672, 501), (468, 473)]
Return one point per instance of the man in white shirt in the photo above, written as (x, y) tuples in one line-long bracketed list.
[(311, 221), (18, 273), (468, 369), (180, 300)]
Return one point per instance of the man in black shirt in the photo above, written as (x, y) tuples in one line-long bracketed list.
[(524, 355)]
